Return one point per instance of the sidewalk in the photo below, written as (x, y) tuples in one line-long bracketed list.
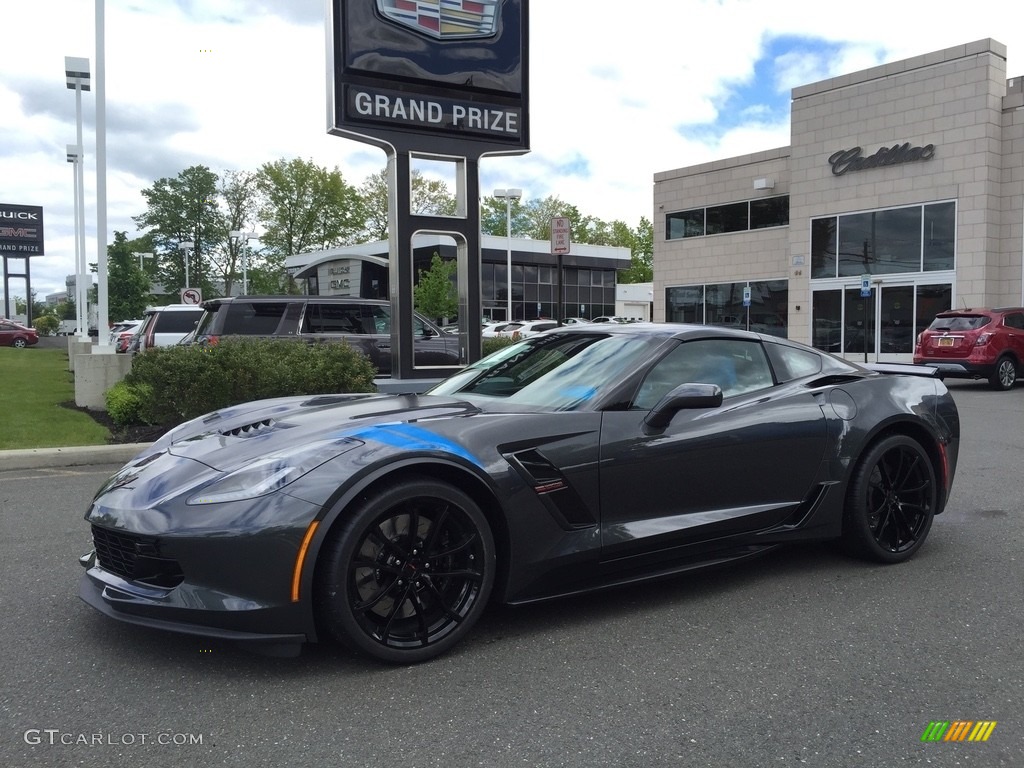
[(74, 456)]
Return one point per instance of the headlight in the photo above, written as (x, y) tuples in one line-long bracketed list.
[(271, 473)]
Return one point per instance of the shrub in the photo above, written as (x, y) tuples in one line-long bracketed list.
[(498, 342), (124, 403), (178, 383)]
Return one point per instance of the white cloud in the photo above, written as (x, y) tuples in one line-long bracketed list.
[(617, 94)]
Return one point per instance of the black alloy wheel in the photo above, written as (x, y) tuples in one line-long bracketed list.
[(408, 574), (891, 501), (1005, 374)]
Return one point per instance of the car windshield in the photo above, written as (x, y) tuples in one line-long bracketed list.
[(958, 322), (558, 371)]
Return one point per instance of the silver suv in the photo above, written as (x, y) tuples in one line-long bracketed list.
[(363, 323)]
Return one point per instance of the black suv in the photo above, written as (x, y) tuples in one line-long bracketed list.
[(363, 323)]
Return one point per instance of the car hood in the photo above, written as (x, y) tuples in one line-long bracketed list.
[(233, 437)]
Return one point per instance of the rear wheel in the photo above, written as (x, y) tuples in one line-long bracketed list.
[(410, 572), (891, 501), (1005, 374)]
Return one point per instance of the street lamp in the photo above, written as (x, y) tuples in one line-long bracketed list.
[(508, 195), (75, 158), (186, 247), (76, 70), (237, 234), (143, 256)]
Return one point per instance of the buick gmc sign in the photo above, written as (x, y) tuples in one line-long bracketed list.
[(422, 74), (21, 230)]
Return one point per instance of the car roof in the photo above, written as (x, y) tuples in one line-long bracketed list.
[(210, 303)]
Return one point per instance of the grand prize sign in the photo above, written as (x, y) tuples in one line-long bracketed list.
[(439, 79), (429, 74), (21, 230)]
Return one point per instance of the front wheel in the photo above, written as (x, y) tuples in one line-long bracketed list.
[(1005, 374), (891, 501), (20, 343), (409, 573)]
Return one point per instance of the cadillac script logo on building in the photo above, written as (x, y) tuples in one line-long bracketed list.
[(444, 19)]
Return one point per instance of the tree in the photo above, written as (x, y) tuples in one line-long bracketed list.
[(641, 245), (127, 284), (305, 207), (239, 193), (436, 294), (430, 197), (185, 209)]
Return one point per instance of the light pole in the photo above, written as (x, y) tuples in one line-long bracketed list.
[(508, 195), (141, 267), (75, 158), (76, 70), (244, 238), (186, 247)]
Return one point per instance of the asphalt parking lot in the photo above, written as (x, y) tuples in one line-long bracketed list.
[(803, 657)]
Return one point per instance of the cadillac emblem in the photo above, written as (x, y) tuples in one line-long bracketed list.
[(444, 19)]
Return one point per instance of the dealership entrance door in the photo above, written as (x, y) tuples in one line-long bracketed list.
[(881, 327)]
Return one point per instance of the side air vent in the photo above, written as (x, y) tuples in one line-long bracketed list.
[(554, 491)]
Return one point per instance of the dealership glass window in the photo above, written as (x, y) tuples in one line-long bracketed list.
[(859, 325), (931, 300), (684, 224), (722, 304), (769, 212), (545, 275), (730, 217), (884, 242), (880, 242), (734, 217), (823, 247), (939, 236), (905, 312)]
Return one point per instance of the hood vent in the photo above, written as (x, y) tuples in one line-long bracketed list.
[(250, 430)]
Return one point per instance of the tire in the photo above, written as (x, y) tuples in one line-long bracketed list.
[(20, 343), (891, 501), (407, 576), (1005, 374)]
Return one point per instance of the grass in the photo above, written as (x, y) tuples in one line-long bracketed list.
[(33, 384)]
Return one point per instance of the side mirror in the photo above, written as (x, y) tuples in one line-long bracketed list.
[(685, 396)]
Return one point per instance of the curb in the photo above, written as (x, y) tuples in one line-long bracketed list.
[(73, 456)]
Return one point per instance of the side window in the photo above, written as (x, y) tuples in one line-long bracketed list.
[(256, 318), (339, 318), (1015, 320), (381, 319), (737, 366), (792, 363)]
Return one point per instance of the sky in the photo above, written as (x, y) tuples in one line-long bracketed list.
[(617, 94)]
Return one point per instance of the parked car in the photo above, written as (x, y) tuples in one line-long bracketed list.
[(609, 319), (14, 334), (491, 330), (975, 344), (121, 333), (165, 326), (574, 321), (586, 457), (526, 328), (363, 323)]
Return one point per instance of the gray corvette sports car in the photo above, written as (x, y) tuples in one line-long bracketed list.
[(580, 458)]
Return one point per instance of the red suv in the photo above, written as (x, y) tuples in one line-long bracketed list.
[(975, 344)]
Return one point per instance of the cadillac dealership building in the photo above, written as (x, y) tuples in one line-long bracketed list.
[(899, 196)]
